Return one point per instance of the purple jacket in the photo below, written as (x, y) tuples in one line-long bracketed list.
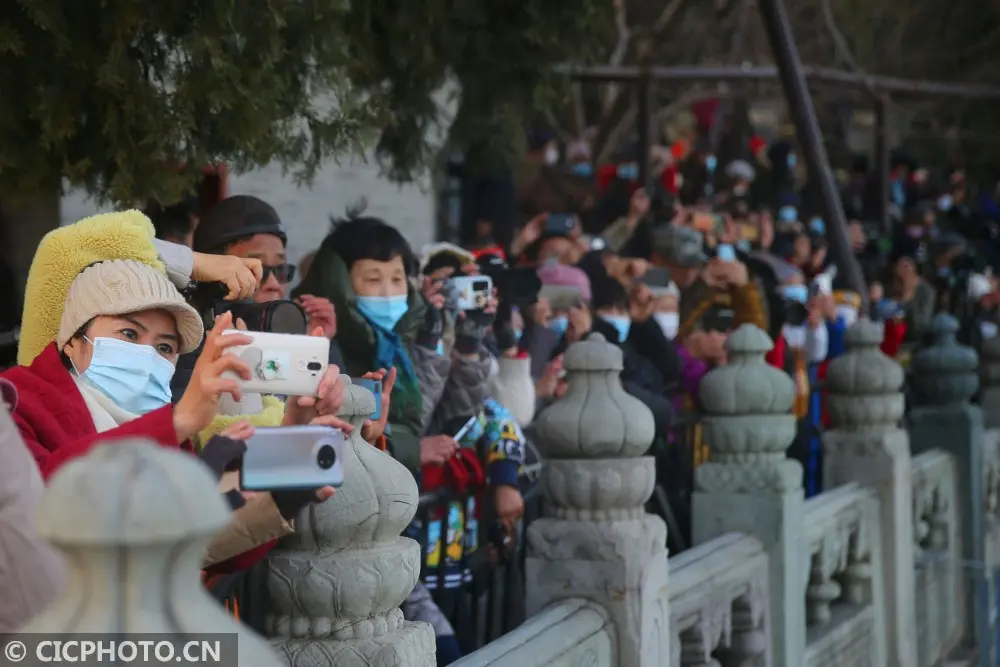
[(692, 371)]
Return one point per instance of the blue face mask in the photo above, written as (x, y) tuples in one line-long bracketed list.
[(788, 214), (135, 377), (517, 335), (796, 293), (628, 172), (582, 169), (621, 323), (792, 161), (383, 311), (711, 162), (898, 193), (559, 324)]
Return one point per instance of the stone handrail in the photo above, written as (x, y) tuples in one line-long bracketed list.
[(940, 594), (844, 597), (135, 519), (570, 633), (719, 603), (991, 474)]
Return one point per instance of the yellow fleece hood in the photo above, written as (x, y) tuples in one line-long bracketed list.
[(62, 255)]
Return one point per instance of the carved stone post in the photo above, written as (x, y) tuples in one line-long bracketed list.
[(749, 485), (989, 373), (866, 445), (134, 520), (596, 540), (336, 583), (944, 377)]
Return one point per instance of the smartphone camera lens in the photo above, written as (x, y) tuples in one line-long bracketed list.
[(314, 366), (326, 457)]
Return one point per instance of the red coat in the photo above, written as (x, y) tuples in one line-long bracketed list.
[(55, 422)]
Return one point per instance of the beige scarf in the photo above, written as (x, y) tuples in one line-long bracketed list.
[(105, 413)]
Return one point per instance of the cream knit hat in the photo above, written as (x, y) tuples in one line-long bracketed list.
[(122, 286)]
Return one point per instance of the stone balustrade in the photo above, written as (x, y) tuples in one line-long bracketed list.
[(336, 584), (866, 445), (869, 573), (844, 600), (940, 589), (595, 539), (570, 633), (134, 519), (748, 484), (719, 604), (942, 417)]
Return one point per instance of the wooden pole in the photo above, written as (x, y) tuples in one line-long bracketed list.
[(644, 120), (882, 166), (793, 80), (625, 73)]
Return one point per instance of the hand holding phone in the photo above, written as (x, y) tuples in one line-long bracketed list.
[(374, 428), (473, 292), (703, 222), (560, 224), (725, 253), (375, 387), (286, 364), (293, 458)]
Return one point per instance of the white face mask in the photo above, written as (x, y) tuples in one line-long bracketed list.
[(551, 155), (988, 330), (848, 314), (669, 322), (794, 336)]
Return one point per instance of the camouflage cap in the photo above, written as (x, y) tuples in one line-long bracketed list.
[(680, 246)]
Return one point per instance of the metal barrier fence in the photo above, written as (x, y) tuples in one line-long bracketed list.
[(479, 588)]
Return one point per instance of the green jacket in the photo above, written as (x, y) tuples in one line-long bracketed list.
[(328, 277)]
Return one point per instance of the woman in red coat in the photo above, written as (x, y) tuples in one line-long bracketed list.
[(107, 376)]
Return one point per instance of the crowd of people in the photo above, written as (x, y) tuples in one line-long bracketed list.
[(116, 339)]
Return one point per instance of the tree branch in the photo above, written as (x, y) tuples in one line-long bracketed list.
[(619, 52)]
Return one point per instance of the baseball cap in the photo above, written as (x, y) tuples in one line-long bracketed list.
[(236, 218), (681, 246)]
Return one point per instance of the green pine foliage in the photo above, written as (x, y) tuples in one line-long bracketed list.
[(117, 96)]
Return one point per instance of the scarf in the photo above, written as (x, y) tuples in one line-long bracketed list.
[(389, 351), (105, 413)]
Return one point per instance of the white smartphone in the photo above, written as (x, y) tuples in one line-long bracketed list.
[(473, 292), (823, 284), (285, 364), (292, 458)]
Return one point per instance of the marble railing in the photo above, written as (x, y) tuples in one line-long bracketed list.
[(940, 589), (571, 633), (844, 600), (719, 604), (991, 494)]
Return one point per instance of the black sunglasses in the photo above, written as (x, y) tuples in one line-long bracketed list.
[(283, 273)]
